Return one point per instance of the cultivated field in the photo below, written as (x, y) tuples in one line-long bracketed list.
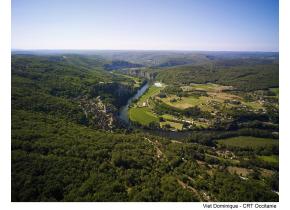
[(238, 170), (152, 91), (177, 126), (270, 159), (248, 141), (217, 95), (142, 115), (210, 98)]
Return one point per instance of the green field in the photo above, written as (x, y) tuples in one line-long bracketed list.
[(248, 141), (215, 95), (222, 159), (201, 124), (153, 90), (270, 159), (206, 87), (167, 117), (142, 115), (185, 102), (253, 105), (175, 125), (276, 91)]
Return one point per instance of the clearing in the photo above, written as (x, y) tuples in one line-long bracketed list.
[(248, 142), (142, 115), (270, 159)]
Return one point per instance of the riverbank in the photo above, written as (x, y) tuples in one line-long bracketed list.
[(123, 113)]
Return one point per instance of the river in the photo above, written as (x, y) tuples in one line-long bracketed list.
[(123, 116), (123, 113)]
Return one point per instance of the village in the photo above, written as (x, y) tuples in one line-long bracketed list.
[(208, 106)]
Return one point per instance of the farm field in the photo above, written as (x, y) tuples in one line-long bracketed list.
[(153, 90), (209, 98), (270, 159), (223, 159), (201, 124), (248, 141), (175, 125), (238, 170), (276, 91), (142, 115), (216, 96), (141, 111), (253, 105), (167, 117), (186, 102), (210, 87), (145, 116)]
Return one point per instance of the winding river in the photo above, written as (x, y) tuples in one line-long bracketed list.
[(124, 116), (123, 113)]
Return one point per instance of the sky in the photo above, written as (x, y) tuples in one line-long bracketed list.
[(210, 25)]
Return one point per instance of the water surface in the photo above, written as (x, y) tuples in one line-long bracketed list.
[(123, 113)]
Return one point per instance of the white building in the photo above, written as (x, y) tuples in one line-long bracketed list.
[(158, 84)]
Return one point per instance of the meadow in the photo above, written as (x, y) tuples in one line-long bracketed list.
[(216, 94), (142, 115), (270, 158), (248, 142), (209, 98), (152, 91)]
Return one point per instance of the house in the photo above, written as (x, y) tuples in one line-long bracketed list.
[(158, 84)]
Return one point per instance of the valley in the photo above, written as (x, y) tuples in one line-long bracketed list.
[(145, 126)]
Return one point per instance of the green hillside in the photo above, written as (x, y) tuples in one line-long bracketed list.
[(67, 144)]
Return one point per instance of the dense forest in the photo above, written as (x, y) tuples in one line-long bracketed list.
[(253, 77), (68, 143)]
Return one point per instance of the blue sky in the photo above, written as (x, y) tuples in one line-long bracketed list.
[(233, 25)]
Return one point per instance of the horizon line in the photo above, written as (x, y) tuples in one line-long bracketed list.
[(168, 50)]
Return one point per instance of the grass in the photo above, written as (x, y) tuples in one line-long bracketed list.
[(215, 95), (153, 90), (186, 102), (222, 159), (253, 105), (142, 115), (177, 126), (266, 172), (167, 117), (248, 141), (276, 91), (238, 170), (201, 124), (206, 87), (209, 87), (270, 159)]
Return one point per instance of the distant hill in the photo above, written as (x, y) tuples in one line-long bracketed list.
[(118, 64)]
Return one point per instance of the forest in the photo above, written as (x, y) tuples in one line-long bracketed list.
[(68, 143)]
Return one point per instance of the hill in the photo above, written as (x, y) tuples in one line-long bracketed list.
[(67, 146)]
